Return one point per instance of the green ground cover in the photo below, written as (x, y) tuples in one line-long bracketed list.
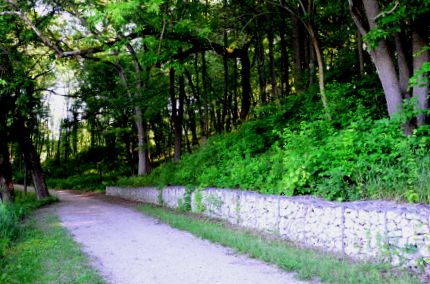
[(39, 250), (355, 156)]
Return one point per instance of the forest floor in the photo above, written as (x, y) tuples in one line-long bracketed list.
[(126, 246)]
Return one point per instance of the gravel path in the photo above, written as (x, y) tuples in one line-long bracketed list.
[(126, 246)]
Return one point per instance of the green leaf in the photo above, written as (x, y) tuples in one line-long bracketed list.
[(153, 6)]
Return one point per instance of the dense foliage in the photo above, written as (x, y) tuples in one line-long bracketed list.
[(291, 97), (357, 157)]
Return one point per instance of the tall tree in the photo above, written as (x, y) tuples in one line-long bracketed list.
[(380, 54)]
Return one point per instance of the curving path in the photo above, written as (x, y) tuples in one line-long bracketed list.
[(126, 246)]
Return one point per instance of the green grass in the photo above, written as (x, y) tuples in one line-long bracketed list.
[(45, 253), (12, 214), (307, 263)]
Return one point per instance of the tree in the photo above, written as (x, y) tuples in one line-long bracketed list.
[(306, 17), (20, 105), (376, 27), (380, 53)]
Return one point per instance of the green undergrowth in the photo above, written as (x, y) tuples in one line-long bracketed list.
[(364, 158), (12, 214), (85, 182), (290, 148), (91, 169), (307, 263), (45, 253)]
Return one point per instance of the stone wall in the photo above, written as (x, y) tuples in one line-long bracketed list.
[(379, 231), (144, 194)]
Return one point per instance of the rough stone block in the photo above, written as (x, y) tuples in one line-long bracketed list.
[(248, 210), (173, 195), (267, 213), (292, 221)]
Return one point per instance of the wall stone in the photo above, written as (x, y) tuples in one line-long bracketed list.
[(378, 231), (143, 194), (218, 203), (173, 195)]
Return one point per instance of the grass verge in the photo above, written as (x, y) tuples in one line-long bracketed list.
[(12, 214), (45, 253), (307, 263)]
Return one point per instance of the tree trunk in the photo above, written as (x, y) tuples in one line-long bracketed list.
[(270, 38), (235, 114), (213, 118), (387, 75), (190, 110), (312, 68), (7, 193), (225, 98), (218, 124), (144, 164), (198, 96), (404, 71), (284, 61), (177, 112), (60, 137), (360, 54), (129, 153), (33, 162), (174, 115), (421, 56), (66, 145), (75, 124), (187, 140), (380, 55), (298, 53), (179, 120), (142, 167), (25, 178), (205, 101), (225, 110), (261, 68), (320, 62), (246, 85)]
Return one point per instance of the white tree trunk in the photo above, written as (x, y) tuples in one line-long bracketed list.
[(141, 168)]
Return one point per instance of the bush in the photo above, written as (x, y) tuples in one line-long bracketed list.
[(87, 182), (355, 156), (8, 225), (367, 159), (290, 149), (11, 214)]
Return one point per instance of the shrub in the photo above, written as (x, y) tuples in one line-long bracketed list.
[(88, 181), (11, 214), (8, 225)]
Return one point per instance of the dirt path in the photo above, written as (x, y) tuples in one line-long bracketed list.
[(126, 246)]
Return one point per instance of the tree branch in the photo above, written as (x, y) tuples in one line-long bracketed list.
[(56, 94), (42, 74), (357, 18)]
